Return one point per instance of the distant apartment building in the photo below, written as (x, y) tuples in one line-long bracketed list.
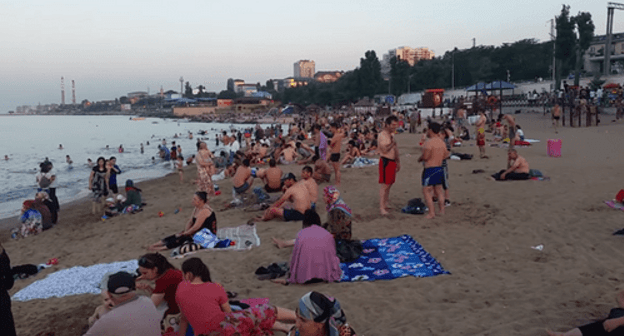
[(328, 76), (408, 54), (304, 69), (595, 54), (247, 89)]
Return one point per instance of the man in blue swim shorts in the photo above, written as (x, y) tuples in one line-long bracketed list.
[(434, 152)]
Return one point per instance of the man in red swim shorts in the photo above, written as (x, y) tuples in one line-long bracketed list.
[(389, 163)]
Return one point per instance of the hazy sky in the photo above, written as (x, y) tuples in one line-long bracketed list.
[(111, 48)]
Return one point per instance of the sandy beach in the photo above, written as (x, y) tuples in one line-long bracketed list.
[(498, 284)]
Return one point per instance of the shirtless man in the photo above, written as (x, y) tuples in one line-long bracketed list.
[(297, 194), (335, 145), (511, 121), (310, 184), (225, 139), (461, 117), (352, 152), (322, 171), (481, 122), (242, 179), (389, 164), (434, 152), (518, 168), (272, 177), (556, 115), (288, 154)]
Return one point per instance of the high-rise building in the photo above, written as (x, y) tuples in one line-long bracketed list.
[(408, 54), (304, 69)]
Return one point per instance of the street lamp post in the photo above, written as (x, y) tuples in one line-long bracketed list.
[(453, 71)]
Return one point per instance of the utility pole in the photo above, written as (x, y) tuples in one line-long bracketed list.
[(453, 70), (474, 42), (611, 7), (553, 38), (181, 85)]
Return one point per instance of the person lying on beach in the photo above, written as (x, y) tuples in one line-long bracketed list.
[(155, 267), (314, 256), (372, 148), (272, 177), (203, 217), (322, 171), (296, 195), (204, 306), (242, 180), (320, 315), (353, 152), (613, 325), (518, 168)]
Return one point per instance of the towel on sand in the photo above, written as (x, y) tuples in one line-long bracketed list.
[(391, 258)]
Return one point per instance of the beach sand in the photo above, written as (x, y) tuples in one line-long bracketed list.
[(498, 284)]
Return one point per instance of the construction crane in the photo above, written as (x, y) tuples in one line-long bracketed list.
[(611, 7)]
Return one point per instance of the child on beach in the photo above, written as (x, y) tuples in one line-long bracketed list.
[(179, 164), (481, 143), (101, 310)]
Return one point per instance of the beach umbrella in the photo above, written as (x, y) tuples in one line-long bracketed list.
[(477, 87)]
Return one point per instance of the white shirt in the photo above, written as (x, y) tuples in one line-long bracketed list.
[(49, 176), (234, 146)]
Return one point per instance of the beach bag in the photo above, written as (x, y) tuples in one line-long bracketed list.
[(205, 238), (554, 147), (348, 250), (44, 182), (415, 206)]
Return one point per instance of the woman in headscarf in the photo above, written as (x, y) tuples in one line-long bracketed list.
[(314, 254), (319, 315), (6, 283), (205, 169), (338, 214)]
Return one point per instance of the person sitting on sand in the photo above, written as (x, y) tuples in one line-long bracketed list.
[(338, 218), (132, 315), (272, 177), (133, 195), (322, 171), (320, 315), (304, 150), (242, 180), (299, 198), (287, 154), (203, 217), (155, 267), (518, 168), (353, 152), (6, 283), (613, 325), (103, 309), (204, 305), (314, 256), (310, 184)]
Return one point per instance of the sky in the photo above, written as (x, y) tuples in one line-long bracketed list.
[(110, 48)]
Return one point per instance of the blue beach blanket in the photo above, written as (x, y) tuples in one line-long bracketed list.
[(391, 258)]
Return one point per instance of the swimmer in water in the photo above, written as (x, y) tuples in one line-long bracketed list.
[(153, 159), (89, 163), (68, 159), (142, 148), (106, 146), (6, 157), (60, 146)]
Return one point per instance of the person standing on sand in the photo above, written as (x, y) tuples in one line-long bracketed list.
[(556, 114), (98, 184), (480, 124), (205, 168), (6, 283), (335, 146), (434, 152), (113, 172), (511, 121), (389, 164)]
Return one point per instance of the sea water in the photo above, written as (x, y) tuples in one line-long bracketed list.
[(28, 140)]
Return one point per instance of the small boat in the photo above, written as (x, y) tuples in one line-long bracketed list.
[(137, 119), (154, 122)]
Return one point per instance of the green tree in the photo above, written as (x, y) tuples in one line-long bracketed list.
[(124, 100), (369, 74), (226, 94), (585, 29), (399, 76), (269, 86), (188, 90), (564, 42)]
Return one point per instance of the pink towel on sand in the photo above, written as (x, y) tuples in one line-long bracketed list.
[(314, 256)]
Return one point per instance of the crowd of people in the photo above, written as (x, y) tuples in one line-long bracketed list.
[(195, 305)]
